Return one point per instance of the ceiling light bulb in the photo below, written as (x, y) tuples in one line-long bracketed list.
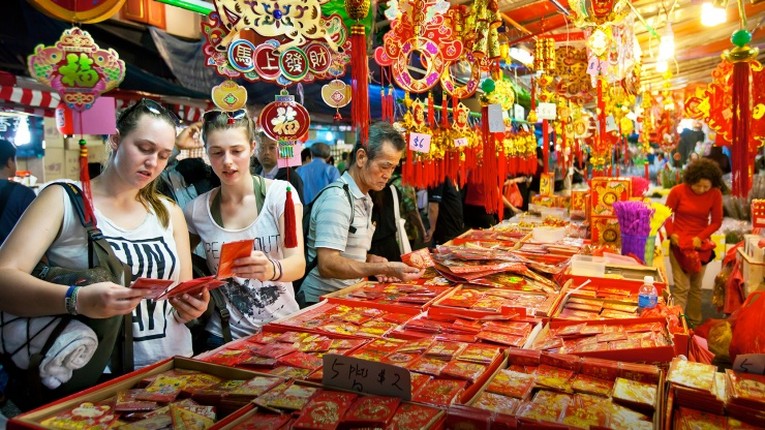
[(667, 44), (712, 15), (661, 66)]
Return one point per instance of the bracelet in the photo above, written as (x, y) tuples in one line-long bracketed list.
[(281, 272), (273, 266), (70, 300)]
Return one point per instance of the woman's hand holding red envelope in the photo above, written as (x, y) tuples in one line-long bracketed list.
[(256, 266), (190, 306)]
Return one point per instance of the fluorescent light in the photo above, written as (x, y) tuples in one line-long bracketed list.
[(522, 56), (712, 15), (23, 136)]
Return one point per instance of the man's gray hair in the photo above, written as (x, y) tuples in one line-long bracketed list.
[(379, 133), (320, 149)]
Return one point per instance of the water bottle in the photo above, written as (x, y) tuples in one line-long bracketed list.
[(647, 295)]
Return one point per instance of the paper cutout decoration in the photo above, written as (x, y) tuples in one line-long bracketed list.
[(229, 96), (84, 11), (77, 68)]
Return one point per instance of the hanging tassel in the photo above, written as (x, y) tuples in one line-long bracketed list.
[(444, 111), (290, 227), (85, 180), (741, 116), (431, 112), (360, 82)]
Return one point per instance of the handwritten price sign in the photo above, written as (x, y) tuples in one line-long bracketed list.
[(750, 363), (365, 376), (460, 142), (419, 142)]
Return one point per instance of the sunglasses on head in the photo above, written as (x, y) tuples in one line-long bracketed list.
[(231, 117), (149, 105)]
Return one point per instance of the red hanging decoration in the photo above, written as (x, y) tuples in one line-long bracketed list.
[(290, 225), (360, 82), (85, 180), (740, 164)]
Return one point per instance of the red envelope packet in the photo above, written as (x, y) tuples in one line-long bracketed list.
[(287, 396), (554, 377), (163, 389), (274, 350), (185, 419), (324, 411), (301, 360), (264, 422), (427, 365), (586, 416), (587, 384), (442, 392), (479, 353), (400, 359), (257, 361), (127, 402), (503, 339), (371, 411), (256, 386), (192, 286), (512, 383), (496, 403), (156, 286), (86, 416), (445, 350), (637, 395), (230, 252), (420, 259), (410, 416), (463, 370), (416, 347)]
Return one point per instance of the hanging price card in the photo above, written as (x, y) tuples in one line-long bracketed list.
[(419, 142)]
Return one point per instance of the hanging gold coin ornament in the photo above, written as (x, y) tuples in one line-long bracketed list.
[(336, 94), (229, 96), (285, 121)]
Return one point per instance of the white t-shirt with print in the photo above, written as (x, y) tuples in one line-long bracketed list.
[(251, 303), (150, 251)]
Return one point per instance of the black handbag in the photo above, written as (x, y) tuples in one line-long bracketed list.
[(114, 334)]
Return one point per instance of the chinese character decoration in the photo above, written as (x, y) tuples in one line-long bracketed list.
[(419, 30), (284, 42), (77, 68), (286, 121), (733, 105), (571, 67), (229, 96)]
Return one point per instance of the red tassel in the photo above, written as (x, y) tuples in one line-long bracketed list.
[(290, 227), (444, 112), (85, 180), (360, 82), (431, 112), (741, 162)]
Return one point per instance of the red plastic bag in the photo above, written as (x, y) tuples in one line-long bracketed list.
[(748, 335)]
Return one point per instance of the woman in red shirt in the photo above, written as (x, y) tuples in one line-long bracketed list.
[(697, 213)]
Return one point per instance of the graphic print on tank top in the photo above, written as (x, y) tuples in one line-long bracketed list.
[(252, 301), (148, 258)]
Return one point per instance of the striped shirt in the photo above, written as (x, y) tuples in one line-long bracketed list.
[(330, 218)]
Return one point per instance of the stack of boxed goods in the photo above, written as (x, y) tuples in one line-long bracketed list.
[(604, 193), (702, 397), (580, 204), (538, 390)]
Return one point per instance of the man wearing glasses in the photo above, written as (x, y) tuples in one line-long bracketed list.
[(337, 247)]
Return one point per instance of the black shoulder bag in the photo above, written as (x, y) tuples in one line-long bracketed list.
[(24, 386)]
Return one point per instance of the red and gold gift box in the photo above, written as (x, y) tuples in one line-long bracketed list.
[(605, 192), (605, 230), (547, 184), (578, 199)]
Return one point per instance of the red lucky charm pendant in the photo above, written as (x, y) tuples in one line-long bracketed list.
[(285, 121)]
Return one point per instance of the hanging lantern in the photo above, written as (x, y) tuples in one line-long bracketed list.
[(64, 121)]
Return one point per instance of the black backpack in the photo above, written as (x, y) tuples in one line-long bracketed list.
[(307, 209)]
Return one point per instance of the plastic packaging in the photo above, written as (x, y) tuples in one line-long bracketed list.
[(647, 294)]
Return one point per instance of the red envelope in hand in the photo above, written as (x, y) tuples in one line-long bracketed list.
[(156, 286), (230, 252), (192, 286)]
